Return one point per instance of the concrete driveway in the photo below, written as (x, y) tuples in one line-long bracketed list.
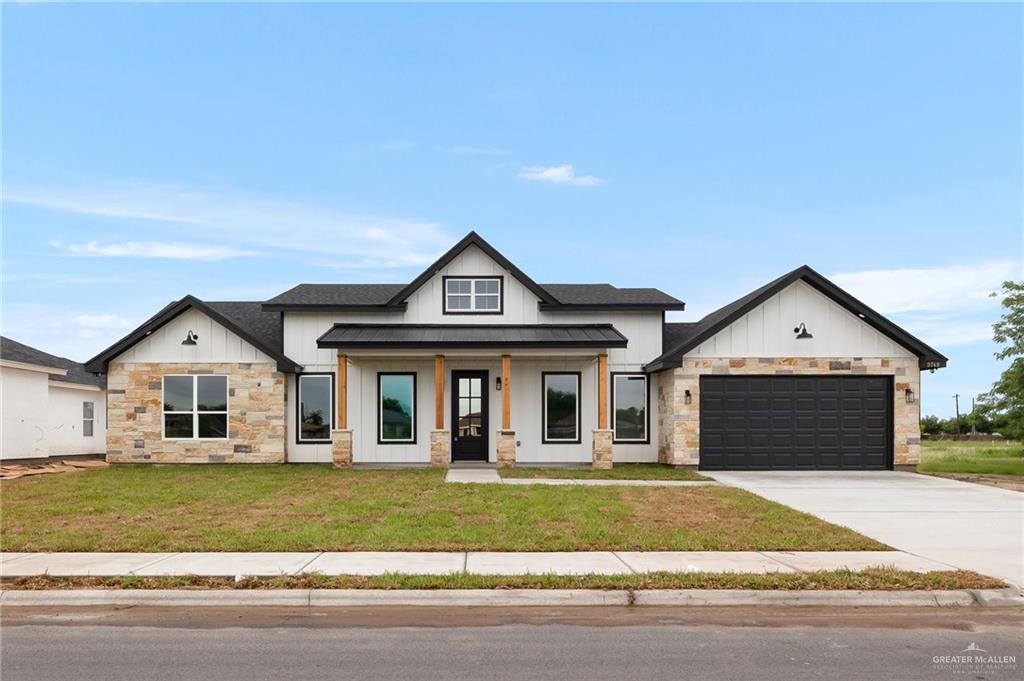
[(962, 524)]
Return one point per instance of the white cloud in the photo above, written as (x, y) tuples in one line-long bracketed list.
[(562, 174), (97, 325), (249, 223), (960, 288), (945, 306), (152, 249)]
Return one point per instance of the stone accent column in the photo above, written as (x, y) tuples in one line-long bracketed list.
[(341, 448), (506, 448), (440, 448), (602, 450)]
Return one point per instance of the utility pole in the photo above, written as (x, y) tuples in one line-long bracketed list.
[(974, 418), (957, 398)]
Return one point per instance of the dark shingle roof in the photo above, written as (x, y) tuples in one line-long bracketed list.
[(14, 351), (602, 295), (356, 296), (466, 335), (335, 295), (263, 325)]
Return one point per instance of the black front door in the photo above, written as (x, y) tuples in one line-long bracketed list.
[(469, 416)]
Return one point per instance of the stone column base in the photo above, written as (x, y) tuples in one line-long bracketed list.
[(602, 451), (440, 448), (341, 448), (506, 448)]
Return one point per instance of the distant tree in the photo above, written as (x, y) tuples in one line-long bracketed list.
[(931, 425), (1004, 403)]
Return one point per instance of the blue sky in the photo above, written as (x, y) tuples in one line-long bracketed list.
[(231, 151)]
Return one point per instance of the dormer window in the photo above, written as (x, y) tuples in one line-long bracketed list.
[(472, 295)]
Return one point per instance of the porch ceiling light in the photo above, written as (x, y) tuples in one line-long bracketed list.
[(190, 338), (802, 332)]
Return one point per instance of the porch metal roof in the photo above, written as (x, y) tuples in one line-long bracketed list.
[(471, 336)]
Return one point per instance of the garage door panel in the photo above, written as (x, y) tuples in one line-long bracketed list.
[(795, 422)]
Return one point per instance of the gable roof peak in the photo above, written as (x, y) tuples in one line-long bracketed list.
[(472, 239)]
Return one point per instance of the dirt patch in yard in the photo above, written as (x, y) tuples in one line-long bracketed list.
[(1014, 482)]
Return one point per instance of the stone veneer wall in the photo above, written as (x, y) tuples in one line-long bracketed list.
[(256, 415), (679, 423)]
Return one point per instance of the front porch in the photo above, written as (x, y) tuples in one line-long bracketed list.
[(466, 406)]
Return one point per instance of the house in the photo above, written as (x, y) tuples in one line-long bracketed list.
[(51, 406), (475, 361)]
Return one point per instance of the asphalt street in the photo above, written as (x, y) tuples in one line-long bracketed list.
[(139, 644)]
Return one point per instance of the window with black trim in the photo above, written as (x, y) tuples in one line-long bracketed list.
[(480, 295), (88, 418), (561, 404), (195, 407), (316, 408), (629, 407), (396, 408)]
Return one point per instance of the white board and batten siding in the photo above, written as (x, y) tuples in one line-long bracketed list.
[(215, 343), (767, 330), (527, 416), (425, 306)]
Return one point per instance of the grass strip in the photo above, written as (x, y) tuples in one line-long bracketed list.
[(621, 471), (871, 579)]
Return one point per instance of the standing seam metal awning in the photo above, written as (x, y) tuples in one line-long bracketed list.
[(471, 336)]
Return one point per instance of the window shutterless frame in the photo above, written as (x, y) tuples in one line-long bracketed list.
[(544, 439), (195, 412), (472, 295), (632, 376), (88, 418), (298, 408), (380, 411)]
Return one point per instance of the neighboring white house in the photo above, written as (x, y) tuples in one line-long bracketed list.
[(51, 406), (475, 361)]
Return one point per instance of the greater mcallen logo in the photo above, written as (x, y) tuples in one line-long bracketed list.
[(974, 659)]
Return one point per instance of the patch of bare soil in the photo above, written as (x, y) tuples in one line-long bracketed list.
[(1014, 482)]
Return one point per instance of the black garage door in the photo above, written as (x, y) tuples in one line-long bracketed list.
[(795, 422)]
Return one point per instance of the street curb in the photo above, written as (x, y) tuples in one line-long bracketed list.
[(504, 598)]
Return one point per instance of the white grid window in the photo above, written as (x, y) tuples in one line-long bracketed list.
[(88, 418), (195, 407), (472, 294)]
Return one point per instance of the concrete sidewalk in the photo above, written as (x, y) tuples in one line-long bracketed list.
[(442, 563), (490, 476)]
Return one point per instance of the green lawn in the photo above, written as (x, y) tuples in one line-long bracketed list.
[(621, 471), (999, 458), (309, 507)]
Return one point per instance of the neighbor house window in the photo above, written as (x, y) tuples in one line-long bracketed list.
[(316, 392), (472, 294), (195, 407), (88, 418), (396, 408), (629, 407), (561, 408)]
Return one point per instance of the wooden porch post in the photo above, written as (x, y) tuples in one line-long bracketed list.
[(506, 392), (342, 391), (602, 391), (438, 392)]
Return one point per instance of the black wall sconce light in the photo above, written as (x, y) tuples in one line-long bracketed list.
[(497, 383), (802, 332), (190, 338), (908, 394), (687, 397)]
